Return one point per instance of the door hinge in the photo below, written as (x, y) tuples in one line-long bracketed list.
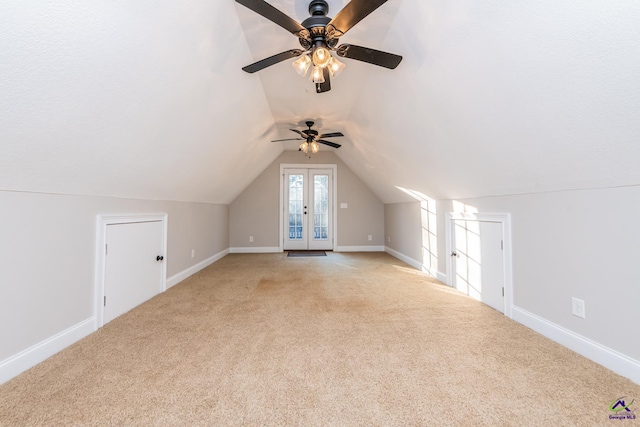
[(106, 249), (503, 291), (105, 301), (502, 244)]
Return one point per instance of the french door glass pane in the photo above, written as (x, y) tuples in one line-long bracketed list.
[(320, 207), (296, 183)]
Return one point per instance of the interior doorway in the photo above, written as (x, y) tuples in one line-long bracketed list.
[(307, 207), (479, 264), (131, 267)]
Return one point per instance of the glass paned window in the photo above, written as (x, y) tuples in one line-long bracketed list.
[(296, 200), (321, 207)]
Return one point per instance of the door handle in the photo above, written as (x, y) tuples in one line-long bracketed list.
[(159, 258), (454, 253)]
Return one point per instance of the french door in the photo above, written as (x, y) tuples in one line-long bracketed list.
[(308, 209)]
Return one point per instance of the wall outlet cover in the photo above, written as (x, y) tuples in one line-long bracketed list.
[(577, 307)]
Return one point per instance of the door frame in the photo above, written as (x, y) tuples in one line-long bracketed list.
[(102, 222), (334, 190), (507, 270)]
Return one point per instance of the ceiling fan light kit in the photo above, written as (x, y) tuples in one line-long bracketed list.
[(318, 35), (305, 147), (311, 139)]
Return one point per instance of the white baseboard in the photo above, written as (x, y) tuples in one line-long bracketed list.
[(255, 250), (416, 264), (177, 278), (359, 249), (611, 359), (402, 257), (30, 357)]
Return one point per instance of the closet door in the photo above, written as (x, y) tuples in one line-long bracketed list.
[(133, 266)]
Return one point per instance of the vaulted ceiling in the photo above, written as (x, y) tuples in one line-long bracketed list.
[(147, 99)]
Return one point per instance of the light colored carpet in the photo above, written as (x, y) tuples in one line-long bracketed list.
[(347, 339)]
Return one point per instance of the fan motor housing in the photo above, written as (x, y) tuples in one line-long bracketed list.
[(318, 7), (318, 10), (315, 21)]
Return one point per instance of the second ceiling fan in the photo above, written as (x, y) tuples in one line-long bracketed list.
[(318, 35), (312, 138)]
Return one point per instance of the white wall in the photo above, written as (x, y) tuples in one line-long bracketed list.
[(578, 243), (583, 244), (47, 256), (402, 226), (255, 211)]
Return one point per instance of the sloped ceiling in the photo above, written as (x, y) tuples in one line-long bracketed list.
[(147, 100)]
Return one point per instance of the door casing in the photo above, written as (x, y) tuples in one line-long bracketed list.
[(103, 221), (334, 214), (505, 220)]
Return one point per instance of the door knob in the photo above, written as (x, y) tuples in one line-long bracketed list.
[(159, 258), (454, 253)]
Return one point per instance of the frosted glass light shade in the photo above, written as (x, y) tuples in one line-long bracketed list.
[(304, 147), (315, 147), (302, 64), (316, 75), (335, 67), (321, 57)]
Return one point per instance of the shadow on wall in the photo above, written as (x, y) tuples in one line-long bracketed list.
[(467, 250), (428, 219)]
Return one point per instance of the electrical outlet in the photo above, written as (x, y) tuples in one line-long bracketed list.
[(370, 237), (577, 307), (193, 253), (250, 239)]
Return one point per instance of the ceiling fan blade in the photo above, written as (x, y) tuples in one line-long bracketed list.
[(263, 8), (288, 139), (372, 56), (326, 86), (329, 143), (299, 133), (267, 62), (330, 135), (354, 12)]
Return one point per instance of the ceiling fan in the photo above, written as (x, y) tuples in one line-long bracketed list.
[(318, 35), (312, 138)]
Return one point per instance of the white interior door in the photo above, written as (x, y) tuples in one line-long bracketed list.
[(133, 272), (491, 250), (308, 208), (478, 261)]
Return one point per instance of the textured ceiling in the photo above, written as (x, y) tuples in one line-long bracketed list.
[(147, 100)]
